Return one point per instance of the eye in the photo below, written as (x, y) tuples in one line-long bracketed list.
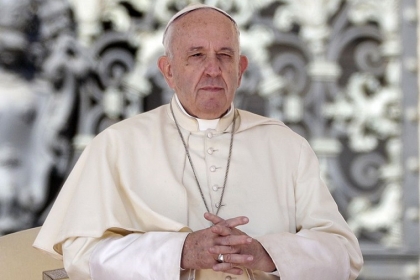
[(197, 55), (224, 56)]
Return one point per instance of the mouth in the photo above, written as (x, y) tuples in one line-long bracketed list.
[(212, 88)]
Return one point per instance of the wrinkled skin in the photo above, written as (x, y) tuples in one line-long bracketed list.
[(204, 66), (202, 247)]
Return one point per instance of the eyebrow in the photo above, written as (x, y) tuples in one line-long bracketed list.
[(224, 49)]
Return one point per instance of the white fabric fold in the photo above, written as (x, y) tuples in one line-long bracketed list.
[(149, 256)]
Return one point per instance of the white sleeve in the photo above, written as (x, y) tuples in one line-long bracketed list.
[(324, 248), (153, 255), (310, 255)]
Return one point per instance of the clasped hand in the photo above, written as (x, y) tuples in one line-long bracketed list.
[(202, 247)]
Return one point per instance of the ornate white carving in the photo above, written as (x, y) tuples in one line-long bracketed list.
[(312, 16), (270, 83), (384, 216), (385, 13), (367, 112)]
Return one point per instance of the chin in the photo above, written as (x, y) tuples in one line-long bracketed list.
[(213, 108), (214, 114)]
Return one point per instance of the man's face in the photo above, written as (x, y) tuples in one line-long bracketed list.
[(205, 68)]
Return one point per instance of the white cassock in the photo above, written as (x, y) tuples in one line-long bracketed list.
[(131, 200)]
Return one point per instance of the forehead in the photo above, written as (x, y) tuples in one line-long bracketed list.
[(203, 15), (204, 25)]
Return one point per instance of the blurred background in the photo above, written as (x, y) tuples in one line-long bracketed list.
[(342, 73)]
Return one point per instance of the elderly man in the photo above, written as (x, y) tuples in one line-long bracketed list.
[(197, 189)]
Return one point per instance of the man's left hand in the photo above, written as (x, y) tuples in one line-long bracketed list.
[(259, 258)]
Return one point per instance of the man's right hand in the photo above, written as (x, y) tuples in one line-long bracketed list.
[(196, 252)]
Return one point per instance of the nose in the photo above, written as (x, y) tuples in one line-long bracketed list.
[(212, 66)]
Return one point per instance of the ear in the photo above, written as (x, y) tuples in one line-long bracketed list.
[(243, 65), (166, 70)]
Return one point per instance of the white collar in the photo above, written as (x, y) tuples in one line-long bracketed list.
[(202, 124)]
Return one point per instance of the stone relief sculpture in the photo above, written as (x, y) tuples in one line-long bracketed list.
[(37, 94), (333, 70), (20, 108)]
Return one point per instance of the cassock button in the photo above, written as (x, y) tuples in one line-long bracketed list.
[(210, 151), (216, 188), (212, 168), (209, 135)]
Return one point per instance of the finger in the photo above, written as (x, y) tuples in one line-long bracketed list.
[(216, 250), (225, 231), (232, 240), (221, 230), (228, 268), (237, 259), (212, 218), (232, 261), (233, 222)]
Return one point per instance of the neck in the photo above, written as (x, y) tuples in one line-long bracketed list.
[(198, 118), (192, 123), (203, 124)]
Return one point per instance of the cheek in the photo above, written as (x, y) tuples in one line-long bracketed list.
[(176, 79), (232, 77)]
